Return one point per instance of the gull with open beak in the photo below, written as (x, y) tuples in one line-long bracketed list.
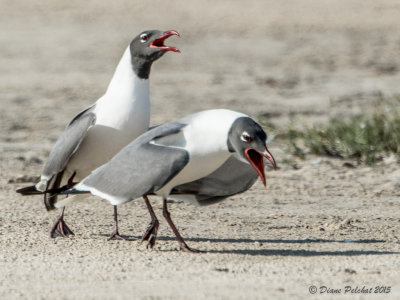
[(98, 132), (202, 158)]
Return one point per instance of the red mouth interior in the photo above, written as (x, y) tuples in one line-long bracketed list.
[(257, 161), (159, 43)]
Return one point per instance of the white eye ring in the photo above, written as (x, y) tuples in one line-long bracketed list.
[(144, 38), (245, 137)]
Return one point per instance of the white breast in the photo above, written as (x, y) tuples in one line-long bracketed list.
[(122, 114)]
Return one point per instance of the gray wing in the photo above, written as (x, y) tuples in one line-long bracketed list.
[(138, 169), (68, 143), (233, 177), (81, 113)]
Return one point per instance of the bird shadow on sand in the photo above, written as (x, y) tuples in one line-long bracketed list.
[(280, 252), (305, 253), (261, 241), (289, 252), (279, 241)]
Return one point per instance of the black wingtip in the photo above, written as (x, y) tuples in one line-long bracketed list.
[(29, 190), (49, 200)]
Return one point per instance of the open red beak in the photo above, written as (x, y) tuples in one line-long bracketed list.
[(256, 159), (159, 43)]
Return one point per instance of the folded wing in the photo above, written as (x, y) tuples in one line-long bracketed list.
[(233, 177), (140, 168)]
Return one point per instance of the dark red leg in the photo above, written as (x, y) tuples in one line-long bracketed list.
[(59, 227), (151, 232), (182, 245), (115, 234)]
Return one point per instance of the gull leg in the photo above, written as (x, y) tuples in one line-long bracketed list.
[(182, 245), (115, 234), (59, 227), (151, 232)]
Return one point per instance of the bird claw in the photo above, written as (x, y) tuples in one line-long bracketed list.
[(185, 248), (151, 234), (115, 236), (60, 228)]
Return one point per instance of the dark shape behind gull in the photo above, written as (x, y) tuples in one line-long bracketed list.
[(233, 177)]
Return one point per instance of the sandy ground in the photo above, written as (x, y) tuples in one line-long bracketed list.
[(318, 224)]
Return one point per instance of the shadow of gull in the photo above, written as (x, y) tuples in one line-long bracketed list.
[(279, 252), (271, 241), (305, 253)]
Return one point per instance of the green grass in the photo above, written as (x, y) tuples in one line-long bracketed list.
[(366, 139)]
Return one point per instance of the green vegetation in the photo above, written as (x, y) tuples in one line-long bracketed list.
[(367, 139)]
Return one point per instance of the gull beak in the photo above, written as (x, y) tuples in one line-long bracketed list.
[(257, 162), (159, 43)]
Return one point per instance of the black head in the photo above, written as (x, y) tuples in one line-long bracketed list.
[(249, 141), (147, 47)]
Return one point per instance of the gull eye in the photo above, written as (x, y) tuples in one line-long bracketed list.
[(144, 38), (245, 137)]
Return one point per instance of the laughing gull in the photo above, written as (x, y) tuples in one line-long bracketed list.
[(98, 132), (182, 157)]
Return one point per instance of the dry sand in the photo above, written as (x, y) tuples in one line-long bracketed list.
[(320, 224)]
